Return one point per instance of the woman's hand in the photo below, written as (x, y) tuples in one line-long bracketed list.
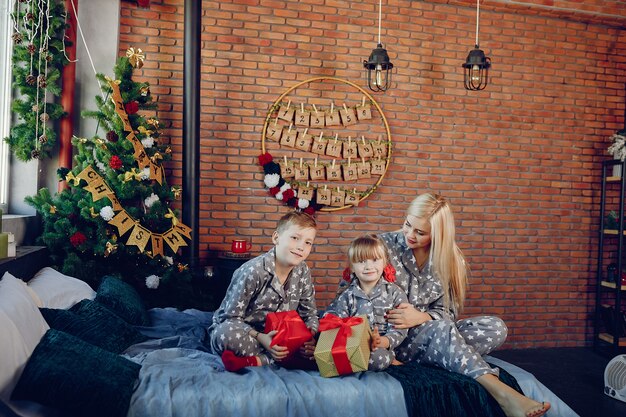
[(278, 352), (406, 316)]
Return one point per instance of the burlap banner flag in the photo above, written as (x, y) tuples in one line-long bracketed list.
[(139, 236), (156, 171)]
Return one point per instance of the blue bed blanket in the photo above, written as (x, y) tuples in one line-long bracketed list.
[(181, 377)]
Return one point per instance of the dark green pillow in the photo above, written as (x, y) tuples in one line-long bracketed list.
[(123, 300), (77, 378), (95, 324)]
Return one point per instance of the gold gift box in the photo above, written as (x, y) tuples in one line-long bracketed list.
[(357, 349)]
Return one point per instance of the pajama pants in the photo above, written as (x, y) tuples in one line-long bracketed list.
[(232, 335), (457, 347), (380, 359)]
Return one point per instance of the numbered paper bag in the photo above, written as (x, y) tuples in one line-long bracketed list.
[(332, 117), (352, 198), (289, 137), (323, 196), (350, 171), (286, 169), (274, 131), (378, 167), (319, 145), (317, 172), (301, 172), (334, 148), (337, 198), (364, 111), (347, 116), (303, 142), (306, 193), (364, 170), (303, 117), (349, 149), (365, 149), (286, 112), (333, 172), (317, 118)]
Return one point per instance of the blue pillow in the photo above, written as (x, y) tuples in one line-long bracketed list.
[(77, 378), (123, 300), (95, 324)]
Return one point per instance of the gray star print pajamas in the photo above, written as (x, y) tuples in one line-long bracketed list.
[(383, 297), (453, 345), (253, 292)]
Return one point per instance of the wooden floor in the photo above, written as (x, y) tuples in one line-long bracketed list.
[(576, 375)]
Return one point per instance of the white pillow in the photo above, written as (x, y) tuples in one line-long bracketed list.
[(21, 325), (56, 290)]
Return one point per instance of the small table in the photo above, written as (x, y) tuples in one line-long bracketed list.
[(225, 265)]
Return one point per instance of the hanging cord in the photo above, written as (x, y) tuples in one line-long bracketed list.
[(477, 14), (82, 36), (380, 13)]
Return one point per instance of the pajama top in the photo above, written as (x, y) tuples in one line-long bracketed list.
[(255, 290), (383, 297), (423, 288)]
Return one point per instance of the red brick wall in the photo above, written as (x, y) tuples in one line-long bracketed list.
[(520, 160)]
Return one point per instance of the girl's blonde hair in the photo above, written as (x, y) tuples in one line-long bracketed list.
[(447, 259), (367, 247)]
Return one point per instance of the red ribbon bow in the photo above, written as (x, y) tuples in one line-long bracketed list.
[(291, 331), (338, 351)]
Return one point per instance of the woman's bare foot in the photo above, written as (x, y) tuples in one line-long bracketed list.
[(396, 362), (512, 402)]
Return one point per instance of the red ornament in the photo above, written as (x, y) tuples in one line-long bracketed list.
[(112, 136), (143, 3), (274, 190), (389, 273), (115, 162), (346, 275), (265, 158), (287, 194), (131, 107), (77, 239)]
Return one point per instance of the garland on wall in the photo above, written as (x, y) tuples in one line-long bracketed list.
[(38, 59)]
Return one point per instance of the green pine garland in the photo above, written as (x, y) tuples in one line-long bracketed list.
[(36, 74), (75, 228)]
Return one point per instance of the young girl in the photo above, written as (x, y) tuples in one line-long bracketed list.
[(431, 270), (371, 292)]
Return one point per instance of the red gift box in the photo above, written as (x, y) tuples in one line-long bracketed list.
[(292, 333)]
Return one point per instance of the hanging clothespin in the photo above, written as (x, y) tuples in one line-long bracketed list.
[(331, 106), (316, 162), (306, 129), (315, 109), (363, 102), (290, 124), (345, 107), (363, 139), (320, 139), (333, 164), (300, 163), (336, 135), (349, 162), (302, 107)]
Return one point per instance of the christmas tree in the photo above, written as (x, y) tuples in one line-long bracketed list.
[(115, 217)]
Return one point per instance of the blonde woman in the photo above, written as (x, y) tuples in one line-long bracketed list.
[(432, 271)]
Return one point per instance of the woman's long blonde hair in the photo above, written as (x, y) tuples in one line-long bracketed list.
[(447, 259)]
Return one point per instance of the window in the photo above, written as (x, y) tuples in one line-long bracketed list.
[(6, 47)]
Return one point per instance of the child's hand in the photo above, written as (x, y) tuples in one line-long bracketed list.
[(278, 352), (308, 348), (375, 342), (379, 341)]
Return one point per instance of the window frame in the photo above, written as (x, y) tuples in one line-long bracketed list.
[(6, 93)]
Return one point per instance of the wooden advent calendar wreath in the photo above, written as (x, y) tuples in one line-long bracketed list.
[(324, 146)]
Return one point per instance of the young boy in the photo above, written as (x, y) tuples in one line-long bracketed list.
[(371, 291), (278, 280)]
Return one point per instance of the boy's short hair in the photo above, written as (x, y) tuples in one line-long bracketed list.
[(298, 218)]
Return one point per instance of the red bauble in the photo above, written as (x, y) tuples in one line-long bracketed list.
[(115, 162), (143, 3), (77, 239), (131, 107)]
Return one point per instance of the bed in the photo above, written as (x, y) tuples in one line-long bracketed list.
[(146, 363)]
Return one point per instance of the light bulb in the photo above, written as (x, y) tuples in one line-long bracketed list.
[(379, 76), (475, 74)]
